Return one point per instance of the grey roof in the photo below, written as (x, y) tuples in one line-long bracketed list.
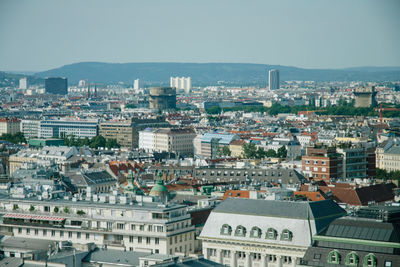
[(191, 262), (25, 243), (11, 262), (124, 258), (289, 209), (84, 179)]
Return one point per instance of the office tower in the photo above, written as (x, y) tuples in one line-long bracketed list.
[(181, 83), (23, 83), (136, 84), (56, 85), (273, 79), (162, 98)]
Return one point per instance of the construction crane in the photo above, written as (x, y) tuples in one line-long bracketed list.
[(381, 110)]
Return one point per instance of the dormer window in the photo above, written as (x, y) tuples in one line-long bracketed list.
[(352, 259), (271, 234), (226, 229), (370, 260), (286, 235), (334, 257), (255, 232), (240, 231)]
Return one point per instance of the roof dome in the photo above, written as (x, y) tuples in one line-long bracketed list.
[(159, 189)]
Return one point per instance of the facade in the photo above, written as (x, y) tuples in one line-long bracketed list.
[(181, 83), (23, 83), (368, 239), (355, 163), (106, 220), (56, 85), (68, 127), (365, 97), (168, 139), (212, 142), (122, 131), (236, 148), (30, 128), (9, 126), (273, 79), (249, 232), (321, 164), (136, 84), (162, 98), (388, 155)]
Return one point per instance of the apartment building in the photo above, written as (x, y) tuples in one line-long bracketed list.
[(79, 128), (122, 131), (30, 128), (388, 155), (250, 232), (179, 140), (109, 220), (9, 126), (321, 164)]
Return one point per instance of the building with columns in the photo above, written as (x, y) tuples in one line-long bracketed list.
[(260, 233)]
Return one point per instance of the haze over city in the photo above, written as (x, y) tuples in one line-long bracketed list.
[(45, 34)]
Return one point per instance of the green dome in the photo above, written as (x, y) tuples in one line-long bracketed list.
[(159, 189)]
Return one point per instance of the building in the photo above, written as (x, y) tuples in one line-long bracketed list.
[(38, 143), (365, 97), (236, 148), (369, 238), (181, 83), (250, 232), (56, 85), (10, 126), (273, 79), (212, 142), (355, 162), (388, 155), (109, 220), (122, 131), (168, 140), (136, 84), (322, 164), (141, 124), (23, 83), (30, 128), (162, 98), (68, 127)]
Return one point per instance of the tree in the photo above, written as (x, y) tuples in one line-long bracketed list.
[(56, 210), (271, 153), (80, 212), (66, 210), (282, 152), (31, 208), (112, 143), (13, 138), (260, 153), (249, 150), (97, 141), (225, 151)]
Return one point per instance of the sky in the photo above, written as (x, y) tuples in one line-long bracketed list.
[(37, 35)]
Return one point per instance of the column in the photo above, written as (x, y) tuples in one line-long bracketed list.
[(206, 255), (248, 259), (264, 260), (278, 260), (219, 256), (233, 258)]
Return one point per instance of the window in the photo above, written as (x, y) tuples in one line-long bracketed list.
[(46, 208), (156, 251), (61, 233), (28, 231), (334, 257), (130, 239), (120, 226), (53, 233), (226, 230), (286, 235), (133, 227), (255, 232), (44, 232), (70, 234), (147, 240), (388, 263), (150, 228), (141, 227), (139, 239), (19, 230), (369, 260), (157, 240), (36, 231), (87, 236), (317, 256), (78, 235), (271, 234), (240, 231), (352, 259)]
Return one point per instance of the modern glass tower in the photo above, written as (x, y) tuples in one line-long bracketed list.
[(273, 79)]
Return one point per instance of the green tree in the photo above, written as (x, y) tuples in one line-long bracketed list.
[(56, 210), (260, 153), (14, 138), (225, 151), (271, 153), (282, 152), (112, 143), (98, 141), (249, 150), (31, 208), (66, 210)]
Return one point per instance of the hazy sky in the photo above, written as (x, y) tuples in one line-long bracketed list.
[(42, 34)]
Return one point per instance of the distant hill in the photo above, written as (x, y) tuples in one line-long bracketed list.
[(12, 79), (211, 73)]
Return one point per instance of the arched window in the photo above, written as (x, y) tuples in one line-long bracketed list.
[(255, 232), (271, 234), (334, 257), (286, 235), (226, 229), (240, 231), (352, 259), (369, 260)]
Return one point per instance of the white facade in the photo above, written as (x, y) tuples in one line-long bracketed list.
[(30, 128), (147, 140), (273, 79), (182, 83), (136, 84), (23, 83), (68, 127)]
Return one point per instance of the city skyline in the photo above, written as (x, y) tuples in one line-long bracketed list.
[(306, 34)]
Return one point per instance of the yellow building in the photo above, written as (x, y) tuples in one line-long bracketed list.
[(236, 148)]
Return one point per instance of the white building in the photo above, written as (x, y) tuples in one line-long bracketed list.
[(147, 140), (23, 83), (136, 84), (181, 83), (273, 79), (30, 128), (9, 126), (69, 127), (258, 233)]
